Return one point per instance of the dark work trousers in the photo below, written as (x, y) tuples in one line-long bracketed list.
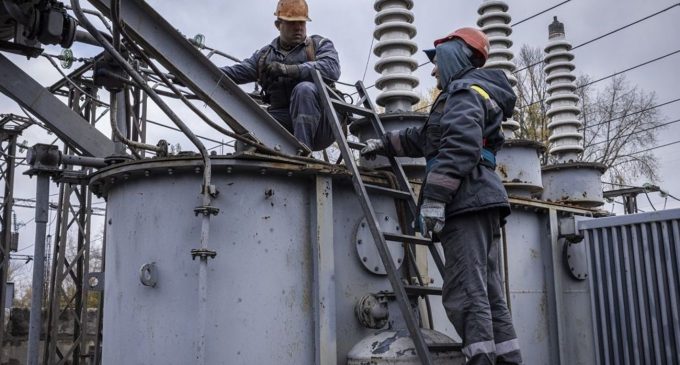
[(473, 293), (304, 117)]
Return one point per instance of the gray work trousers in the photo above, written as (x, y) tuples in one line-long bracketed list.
[(304, 117), (473, 292)]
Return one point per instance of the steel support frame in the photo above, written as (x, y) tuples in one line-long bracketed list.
[(7, 172), (70, 265), (172, 50), (64, 122)]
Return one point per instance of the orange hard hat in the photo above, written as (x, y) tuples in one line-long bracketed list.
[(473, 37), (293, 10)]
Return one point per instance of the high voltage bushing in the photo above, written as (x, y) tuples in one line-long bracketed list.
[(518, 162), (563, 110), (568, 180), (394, 31), (494, 21)]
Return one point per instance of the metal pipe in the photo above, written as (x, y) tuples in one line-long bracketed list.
[(41, 218), (82, 161)]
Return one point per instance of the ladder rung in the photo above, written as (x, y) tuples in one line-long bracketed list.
[(356, 145), (407, 239), (391, 192), (445, 347), (350, 108)]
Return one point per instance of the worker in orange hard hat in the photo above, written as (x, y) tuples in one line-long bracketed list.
[(463, 201), (284, 69)]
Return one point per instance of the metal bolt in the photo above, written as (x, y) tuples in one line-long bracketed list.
[(229, 170), (126, 176), (147, 173), (290, 173), (376, 269), (171, 171), (263, 171), (387, 219), (277, 147), (363, 225), (197, 170), (399, 261), (365, 259), (358, 242)]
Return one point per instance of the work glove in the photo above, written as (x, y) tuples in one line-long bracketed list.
[(277, 70), (431, 217), (373, 147)]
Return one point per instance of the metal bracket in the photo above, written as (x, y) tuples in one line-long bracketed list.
[(203, 253), (206, 210)]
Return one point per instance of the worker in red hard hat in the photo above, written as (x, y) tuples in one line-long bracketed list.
[(463, 201), (284, 70)]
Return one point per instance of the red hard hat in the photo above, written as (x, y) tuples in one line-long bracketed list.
[(473, 37)]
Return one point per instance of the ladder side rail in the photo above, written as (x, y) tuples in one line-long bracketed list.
[(381, 245)]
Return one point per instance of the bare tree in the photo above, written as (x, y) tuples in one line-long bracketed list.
[(619, 121)]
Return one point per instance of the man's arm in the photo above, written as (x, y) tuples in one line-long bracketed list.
[(407, 142), (245, 71), (327, 62), (461, 145)]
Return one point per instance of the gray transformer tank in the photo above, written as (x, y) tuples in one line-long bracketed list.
[(268, 302)]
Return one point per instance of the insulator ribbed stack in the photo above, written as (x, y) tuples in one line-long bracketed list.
[(394, 31), (494, 21), (565, 138)]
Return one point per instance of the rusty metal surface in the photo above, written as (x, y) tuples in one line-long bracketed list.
[(518, 165), (576, 183)]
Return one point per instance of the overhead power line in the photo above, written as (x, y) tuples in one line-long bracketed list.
[(640, 131), (614, 74), (633, 113), (655, 148), (177, 130), (607, 34), (539, 13)]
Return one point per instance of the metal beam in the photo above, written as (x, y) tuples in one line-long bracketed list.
[(67, 124), (169, 47)]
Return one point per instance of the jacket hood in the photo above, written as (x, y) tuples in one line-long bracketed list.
[(497, 85), (453, 60)]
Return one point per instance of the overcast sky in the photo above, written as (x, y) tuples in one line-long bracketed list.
[(239, 28)]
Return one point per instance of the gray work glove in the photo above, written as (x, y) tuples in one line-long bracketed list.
[(431, 217), (373, 147), (277, 70)]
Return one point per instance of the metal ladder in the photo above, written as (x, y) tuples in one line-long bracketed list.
[(332, 105)]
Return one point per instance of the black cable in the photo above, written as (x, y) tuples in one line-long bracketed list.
[(638, 132), (178, 130), (655, 148), (649, 200), (612, 75), (539, 13), (368, 59), (606, 34), (633, 113)]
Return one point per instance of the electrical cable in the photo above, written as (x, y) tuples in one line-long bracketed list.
[(654, 148), (649, 200), (177, 130), (539, 13), (68, 79), (638, 132), (606, 34), (633, 113), (611, 75), (368, 59)]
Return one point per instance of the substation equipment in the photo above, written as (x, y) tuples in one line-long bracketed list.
[(263, 255)]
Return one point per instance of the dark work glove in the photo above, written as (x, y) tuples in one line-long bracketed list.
[(373, 147), (431, 217), (277, 70)]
